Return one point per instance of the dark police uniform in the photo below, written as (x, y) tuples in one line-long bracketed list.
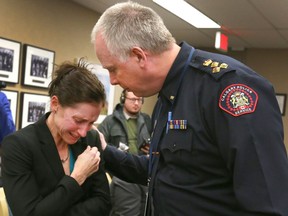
[(217, 147)]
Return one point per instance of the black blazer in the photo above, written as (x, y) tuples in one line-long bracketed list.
[(34, 180)]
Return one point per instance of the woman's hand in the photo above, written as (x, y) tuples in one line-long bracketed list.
[(86, 164)]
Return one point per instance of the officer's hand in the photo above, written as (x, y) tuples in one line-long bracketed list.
[(102, 139)]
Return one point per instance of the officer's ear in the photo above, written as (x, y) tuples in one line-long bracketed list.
[(139, 54)]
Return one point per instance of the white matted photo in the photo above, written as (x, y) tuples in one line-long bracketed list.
[(38, 66), (9, 60), (281, 98), (12, 97), (33, 107), (103, 76)]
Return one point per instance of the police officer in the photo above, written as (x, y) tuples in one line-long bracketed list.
[(217, 146)]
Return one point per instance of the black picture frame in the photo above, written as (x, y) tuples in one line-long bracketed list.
[(10, 51), (33, 106), (12, 97), (38, 64), (281, 98)]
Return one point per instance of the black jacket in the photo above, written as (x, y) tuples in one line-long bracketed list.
[(34, 180)]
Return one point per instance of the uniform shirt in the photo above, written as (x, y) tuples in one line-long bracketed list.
[(224, 152)]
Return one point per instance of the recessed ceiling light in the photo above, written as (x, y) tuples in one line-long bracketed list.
[(188, 13)]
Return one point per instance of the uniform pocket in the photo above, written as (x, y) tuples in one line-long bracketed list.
[(178, 150), (176, 140)]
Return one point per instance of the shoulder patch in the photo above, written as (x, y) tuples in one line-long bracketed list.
[(238, 99)]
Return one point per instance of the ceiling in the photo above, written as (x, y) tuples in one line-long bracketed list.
[(247, 23)]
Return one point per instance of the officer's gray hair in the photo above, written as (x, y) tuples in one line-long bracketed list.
[(129, 24)]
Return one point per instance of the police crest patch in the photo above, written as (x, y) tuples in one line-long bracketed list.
[(238, 99)]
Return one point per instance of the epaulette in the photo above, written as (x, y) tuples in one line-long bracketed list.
[(215, 68)]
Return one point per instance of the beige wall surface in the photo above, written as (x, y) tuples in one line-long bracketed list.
[(273, 65), (58, 25), (64, 27)]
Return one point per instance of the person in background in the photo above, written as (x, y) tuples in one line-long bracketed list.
[(128, 129), (217, 145), (54, 166)]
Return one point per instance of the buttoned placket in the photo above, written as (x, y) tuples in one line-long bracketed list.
[(158, 132)]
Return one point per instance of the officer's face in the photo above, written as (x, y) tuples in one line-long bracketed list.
[(129, 75)]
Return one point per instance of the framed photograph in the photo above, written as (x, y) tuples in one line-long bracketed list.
[(33, 106), (12, 97), (38, 64), (281, 98), (103, 76), (9, 60)]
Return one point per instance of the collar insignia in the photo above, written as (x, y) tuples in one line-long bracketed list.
[(216, 66)]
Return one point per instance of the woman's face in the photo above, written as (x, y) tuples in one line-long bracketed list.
[(72, 123)]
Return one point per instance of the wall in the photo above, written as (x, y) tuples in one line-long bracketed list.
[(59, 25), (65, 27), (273, 65)]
